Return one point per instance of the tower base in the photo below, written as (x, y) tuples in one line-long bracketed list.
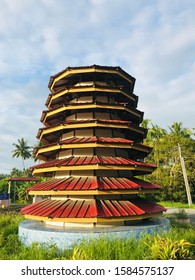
[(35, 231)]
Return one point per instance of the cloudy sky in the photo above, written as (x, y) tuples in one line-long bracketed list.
[(153, 40)]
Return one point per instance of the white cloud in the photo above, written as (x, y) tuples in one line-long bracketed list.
[(152, 40)]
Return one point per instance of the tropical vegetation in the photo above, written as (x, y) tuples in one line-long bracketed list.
[(165, 155), (22, 150)]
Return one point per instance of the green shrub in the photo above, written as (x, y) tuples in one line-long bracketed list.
[(181, 214), (165, 248)]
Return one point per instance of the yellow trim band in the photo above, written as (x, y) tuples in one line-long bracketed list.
[(92, 167), (87, 70), (85, 125), (87, 106), (93, 220), (43, 150), (87, 89), (92, 192)]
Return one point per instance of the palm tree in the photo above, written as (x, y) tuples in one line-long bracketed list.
[(178, 130), (16, 172), (145, 123), (157, 132), (22, 150)]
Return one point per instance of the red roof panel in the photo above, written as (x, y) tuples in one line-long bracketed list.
[(18, 179), (91, 208), (67, 208), (94, 139), (101, 160), (83, 210), (92, 183)]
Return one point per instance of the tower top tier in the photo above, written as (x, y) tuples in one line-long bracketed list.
[(102, 75)]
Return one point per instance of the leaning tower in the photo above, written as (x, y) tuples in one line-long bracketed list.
[(92, 150)]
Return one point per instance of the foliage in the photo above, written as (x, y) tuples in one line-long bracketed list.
[(178, 131), (175, 244), (3, 185), (165, 248), (18, 190), (181, 214), (165, 155), (79, 253), (2, 176)]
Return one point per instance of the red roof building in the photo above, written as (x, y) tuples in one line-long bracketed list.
[(92, 150)]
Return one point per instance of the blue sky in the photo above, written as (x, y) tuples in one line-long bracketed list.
[(153, 40)]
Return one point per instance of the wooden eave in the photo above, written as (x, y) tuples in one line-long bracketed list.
[(58, 147), (85, 89), (46, 114), (89, 124), (90, 69)]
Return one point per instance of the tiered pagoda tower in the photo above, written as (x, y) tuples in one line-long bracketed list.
[(92, 150)]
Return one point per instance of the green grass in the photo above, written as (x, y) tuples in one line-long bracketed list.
[(175, 204), (174, 244)]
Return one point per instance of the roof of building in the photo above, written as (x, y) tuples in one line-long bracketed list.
[(97, 140), (94, 67), (91, 208), (91, 160), (54, 113), (60, 94), (92, 183), (21, 179), (73, 124)]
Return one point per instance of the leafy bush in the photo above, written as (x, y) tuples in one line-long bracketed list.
[(165, 248), (181, 214)]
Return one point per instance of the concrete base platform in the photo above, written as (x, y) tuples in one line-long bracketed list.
[(35, 231)]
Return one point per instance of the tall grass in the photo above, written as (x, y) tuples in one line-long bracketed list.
[(178, 243), (173, 244)]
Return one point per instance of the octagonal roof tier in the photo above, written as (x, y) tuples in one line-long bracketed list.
[(50, 151), (72, 76), (92, 210)]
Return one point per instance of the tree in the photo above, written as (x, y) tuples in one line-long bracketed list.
[(145, 123), (169, 171), (22, 150), (165, 155), (16, 172), (157, 132), (178, 130)]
